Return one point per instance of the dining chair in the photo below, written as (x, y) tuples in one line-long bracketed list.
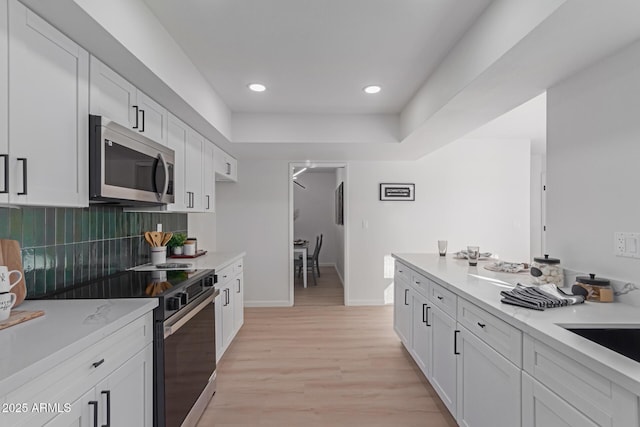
[(312, 261)]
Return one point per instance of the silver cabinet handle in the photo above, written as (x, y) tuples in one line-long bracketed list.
[(228, 168)]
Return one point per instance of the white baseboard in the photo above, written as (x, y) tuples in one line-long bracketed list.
[(362, 302), (339, 276), (279, 303)]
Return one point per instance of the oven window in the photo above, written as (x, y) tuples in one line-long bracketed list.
[(128, 168), (189, 361)]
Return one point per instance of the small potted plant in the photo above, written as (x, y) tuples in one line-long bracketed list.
[(176, 243)]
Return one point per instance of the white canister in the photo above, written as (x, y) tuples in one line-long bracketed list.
[(158, 255), (189, 248)]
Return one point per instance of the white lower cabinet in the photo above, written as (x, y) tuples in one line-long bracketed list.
[(402, 311), (443, 360), (488, 389), (229, 306), (543, 408), (421, 332), (111, 382)]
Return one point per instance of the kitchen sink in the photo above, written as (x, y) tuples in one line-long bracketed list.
[(623, 341)]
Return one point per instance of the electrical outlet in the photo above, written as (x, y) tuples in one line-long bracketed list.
[(619, 243), (627, 244)]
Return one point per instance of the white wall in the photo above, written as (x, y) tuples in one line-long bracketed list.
[(469, 192), (316, 212), (593, 164)]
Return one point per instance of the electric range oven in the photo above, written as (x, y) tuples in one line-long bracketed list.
[(184, 335)]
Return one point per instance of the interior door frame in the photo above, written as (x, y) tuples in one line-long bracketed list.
[(345, 279)]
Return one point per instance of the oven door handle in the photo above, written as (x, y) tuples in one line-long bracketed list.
[(170, 329)]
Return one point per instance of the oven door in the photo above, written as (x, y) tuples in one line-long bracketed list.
[(189, 362)]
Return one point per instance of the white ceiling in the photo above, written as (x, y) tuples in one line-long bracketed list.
[(316, 56)]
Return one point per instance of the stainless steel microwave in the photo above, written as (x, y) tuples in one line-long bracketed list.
[(126, 168)]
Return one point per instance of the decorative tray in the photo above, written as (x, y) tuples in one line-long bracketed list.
[(508, 267), (197, 254), (19, 316)]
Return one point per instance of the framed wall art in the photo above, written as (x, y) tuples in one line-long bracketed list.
[(397, 192)]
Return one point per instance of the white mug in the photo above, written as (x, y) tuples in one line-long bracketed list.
[(5, 275), (7, 301)]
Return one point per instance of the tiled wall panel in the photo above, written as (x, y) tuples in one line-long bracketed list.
[(63, 246)]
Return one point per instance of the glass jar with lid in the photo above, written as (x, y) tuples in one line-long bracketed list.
[(593, 288), (547, 270)]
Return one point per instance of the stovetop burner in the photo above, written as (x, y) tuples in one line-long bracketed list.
[(174, 288)]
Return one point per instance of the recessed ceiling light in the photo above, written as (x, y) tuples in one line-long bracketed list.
[(372, 89), (257, 87)]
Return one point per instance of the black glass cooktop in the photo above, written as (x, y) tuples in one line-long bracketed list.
[(128, 284)]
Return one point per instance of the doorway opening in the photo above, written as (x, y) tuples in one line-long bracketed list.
[(318, 222)]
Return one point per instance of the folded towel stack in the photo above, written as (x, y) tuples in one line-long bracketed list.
[(539, 297)]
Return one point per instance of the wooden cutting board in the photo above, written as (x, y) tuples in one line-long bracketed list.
[(11, 256), (19, 316)]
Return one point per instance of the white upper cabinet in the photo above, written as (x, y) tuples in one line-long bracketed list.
[(4, 105), (226, 166), (208, 177), (47, 152), (177, 141), (114, 97), (193, 169)]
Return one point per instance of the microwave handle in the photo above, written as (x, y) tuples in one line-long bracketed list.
[(165, 187)]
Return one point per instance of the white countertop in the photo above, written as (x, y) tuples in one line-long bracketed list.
[(455, 275), (211, 260), (30, 349)]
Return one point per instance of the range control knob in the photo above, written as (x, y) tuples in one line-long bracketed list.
[(173, 303), (208, 281), (183, 298)]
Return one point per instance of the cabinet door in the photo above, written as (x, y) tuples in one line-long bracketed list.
[(488, 390), (152, 120), (111, 96), (228, 321), (543, 408), (443, 359), (177, 140), (402, 311), (49, 104), (193, 171), (4, 105), (226, 167), (208, 176), (421, 325), (82, 413), (238, 302), (126, 396)]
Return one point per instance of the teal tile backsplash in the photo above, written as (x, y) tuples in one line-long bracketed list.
[(64, 246)]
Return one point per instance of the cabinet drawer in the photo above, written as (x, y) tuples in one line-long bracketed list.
[(71, 379), (498, 334), (421, 283), (403, 272), (225, 274), (443, 298), (597, 397), (238, 266)]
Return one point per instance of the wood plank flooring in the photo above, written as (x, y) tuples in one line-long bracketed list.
[(321, 365), (328, 291)]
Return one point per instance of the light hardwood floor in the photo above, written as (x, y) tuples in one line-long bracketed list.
[(321, 365), (328, 291)]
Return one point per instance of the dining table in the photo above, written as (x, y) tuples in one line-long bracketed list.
[(300, 247)]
